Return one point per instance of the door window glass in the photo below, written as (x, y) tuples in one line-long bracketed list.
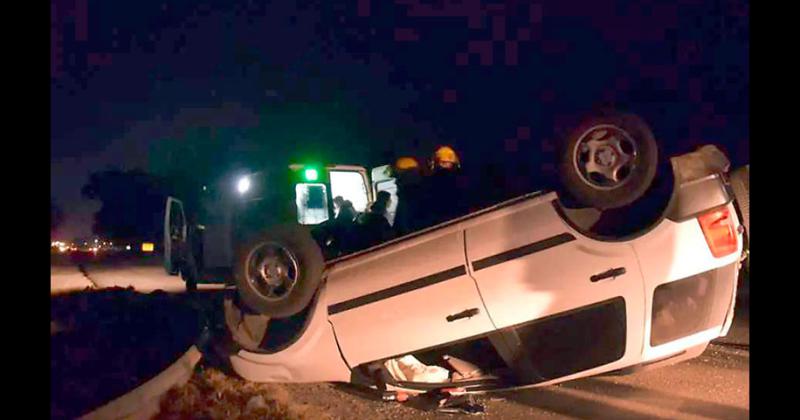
[(312, 203)]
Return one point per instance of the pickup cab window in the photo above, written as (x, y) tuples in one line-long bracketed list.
[(312, 203)]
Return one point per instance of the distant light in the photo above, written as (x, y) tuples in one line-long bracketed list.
[(147, 247), (205, 188), (95, 241), (311, 174), (127, 247), (243, 185)]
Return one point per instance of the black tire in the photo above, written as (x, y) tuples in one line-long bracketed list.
[(740, 183), (301, 259), (190, 280), (189, 272), (634, 178)]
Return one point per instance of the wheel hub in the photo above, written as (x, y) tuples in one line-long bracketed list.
[(272, 270), (605, 156)]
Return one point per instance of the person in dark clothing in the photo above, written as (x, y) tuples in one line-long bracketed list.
[(442, 193), (410, 200), (347, 213), (374, 227), (344, 224), (381, 203), (335, 235)]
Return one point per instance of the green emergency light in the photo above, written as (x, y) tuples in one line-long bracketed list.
[(311, 174)]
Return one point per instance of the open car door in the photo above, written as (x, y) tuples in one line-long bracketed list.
[(174, 234)]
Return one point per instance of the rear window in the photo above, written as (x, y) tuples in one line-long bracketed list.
[(312, 203)]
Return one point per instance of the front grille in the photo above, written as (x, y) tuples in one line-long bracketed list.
[(688, 306)]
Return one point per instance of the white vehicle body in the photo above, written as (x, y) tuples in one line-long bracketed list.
[(554, 302)]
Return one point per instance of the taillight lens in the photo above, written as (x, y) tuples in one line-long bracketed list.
[(719, 231)]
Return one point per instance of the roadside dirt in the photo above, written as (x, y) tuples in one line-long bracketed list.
[(105, 343)]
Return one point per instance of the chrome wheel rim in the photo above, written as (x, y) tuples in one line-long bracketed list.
[(605, 157), (272, 271)]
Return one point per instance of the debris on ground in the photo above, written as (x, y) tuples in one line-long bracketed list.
[(447, 401), (398, 396), (462, 369), (211, 394), (409, 369)]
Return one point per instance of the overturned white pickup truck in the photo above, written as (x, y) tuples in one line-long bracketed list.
[(526, 290)]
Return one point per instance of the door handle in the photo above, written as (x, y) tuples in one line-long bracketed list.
[(469, 313), (614, 272)]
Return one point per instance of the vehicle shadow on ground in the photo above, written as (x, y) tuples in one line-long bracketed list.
[(555, 400), (571, 405)]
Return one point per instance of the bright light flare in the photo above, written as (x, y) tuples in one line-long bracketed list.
[(243, 185)]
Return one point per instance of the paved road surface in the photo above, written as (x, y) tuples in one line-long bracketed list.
[(67, 278), (143, 273)]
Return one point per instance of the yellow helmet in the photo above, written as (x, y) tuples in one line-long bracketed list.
[(405, 163), (445, 157)]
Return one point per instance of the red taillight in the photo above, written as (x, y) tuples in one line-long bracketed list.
[(719, 231)]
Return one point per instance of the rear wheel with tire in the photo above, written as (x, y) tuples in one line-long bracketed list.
[(609, 161), (278, 272)]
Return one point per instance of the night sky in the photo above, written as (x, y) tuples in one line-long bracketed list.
[(137, 84)]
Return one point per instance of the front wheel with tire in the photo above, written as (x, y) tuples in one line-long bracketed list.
[(609, 161), (278, 272)]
